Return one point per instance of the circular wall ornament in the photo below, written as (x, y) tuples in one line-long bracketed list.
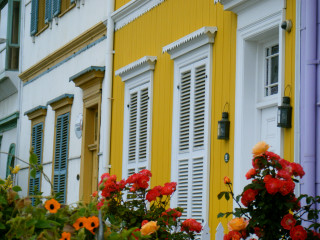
[(78, 126)]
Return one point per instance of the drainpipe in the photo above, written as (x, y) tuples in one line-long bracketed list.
[(106, 102), (318, 106), (309, 151)]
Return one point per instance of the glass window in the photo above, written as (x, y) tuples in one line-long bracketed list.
[(271, 70)]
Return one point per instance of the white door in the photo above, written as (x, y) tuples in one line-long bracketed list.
[(270, 133)]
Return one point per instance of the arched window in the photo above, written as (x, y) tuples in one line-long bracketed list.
[(11, 157)]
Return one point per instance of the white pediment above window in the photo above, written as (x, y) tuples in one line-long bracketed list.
[(236, 5), (190, 42), (136, 68)]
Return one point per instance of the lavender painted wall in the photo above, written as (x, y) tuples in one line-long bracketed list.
[(310, 96)]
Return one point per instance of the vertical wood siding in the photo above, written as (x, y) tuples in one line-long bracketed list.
[(290, 77), (159, 27)]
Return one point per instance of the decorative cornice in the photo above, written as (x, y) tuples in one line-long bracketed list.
[(90, 81), (61, 101), (133, 69), (132, 10), (36, 112), (193, 40), (87, 70), (9, 122), (236, 5), (89, 36)]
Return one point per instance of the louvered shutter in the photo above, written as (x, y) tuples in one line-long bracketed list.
[(34, 17), (56, 7), (36, 143), (139, 124), (61, 156), (48, 11), (191, 157)]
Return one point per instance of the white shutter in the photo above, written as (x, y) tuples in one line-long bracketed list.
[(190, 159), (138, 122)]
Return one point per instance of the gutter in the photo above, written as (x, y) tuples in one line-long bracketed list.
[(106, 102)]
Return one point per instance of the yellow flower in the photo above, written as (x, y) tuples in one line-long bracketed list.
[(259, 149), (237, 224), (16, 169), (149, 228), (52, 205)]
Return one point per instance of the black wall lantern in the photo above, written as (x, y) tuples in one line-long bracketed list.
[(224, 126), (285, 113)]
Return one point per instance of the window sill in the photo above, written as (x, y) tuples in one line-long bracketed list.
[(67, 10), (42, 30)]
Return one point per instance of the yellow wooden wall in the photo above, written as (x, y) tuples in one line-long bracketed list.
[(290, 77), (120, 3), (146, 35)]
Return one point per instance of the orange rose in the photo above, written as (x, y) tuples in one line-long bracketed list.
[(226, 180), (260, 148), (149, 228), (237, 224)]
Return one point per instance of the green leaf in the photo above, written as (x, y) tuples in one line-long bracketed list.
[(2, 182), (33, 158), (31, 222), (33, 173), (227, 196), (2, 226), (46, 224), (220, 215), (3, 200), (17, 188), (220, 195)]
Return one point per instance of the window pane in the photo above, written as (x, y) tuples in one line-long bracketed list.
[(274, 69), (275, 49), (15, 23)]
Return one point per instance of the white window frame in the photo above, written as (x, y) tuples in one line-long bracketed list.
[(136, 75), (187, 51)]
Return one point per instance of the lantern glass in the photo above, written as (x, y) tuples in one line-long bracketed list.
[(223, 127), (284, 114)]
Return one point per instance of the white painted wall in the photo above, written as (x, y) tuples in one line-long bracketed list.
[(9, 105), (50, 86), (69, 26)]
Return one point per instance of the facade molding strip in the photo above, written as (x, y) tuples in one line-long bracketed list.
[(65, 60), (35, 109), (57, 99), (132, 10), (83, 41)]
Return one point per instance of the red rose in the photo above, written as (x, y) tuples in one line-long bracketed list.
[(144, 222), (191, 225), (233, 235), (287, 187), (272, 156), (251, 173), (298, 233), (288, 221), (273, 185), (284, 174), (169, 188), (153, 193), (297, 169), (248, 196)]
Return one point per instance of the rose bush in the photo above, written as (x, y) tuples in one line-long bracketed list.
[(128, 210), (270, 209)]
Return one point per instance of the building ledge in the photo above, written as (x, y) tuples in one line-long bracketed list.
[(9, 122)]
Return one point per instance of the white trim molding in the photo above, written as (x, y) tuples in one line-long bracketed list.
[(136, 68), (132, 10), (191, 41)]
